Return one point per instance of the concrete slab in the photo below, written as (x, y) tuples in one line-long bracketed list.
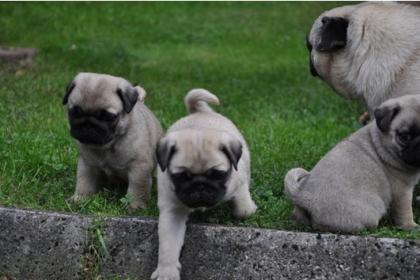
[(45, 245), (40, 245)]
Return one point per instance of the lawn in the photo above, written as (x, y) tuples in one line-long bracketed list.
[(252, 55)]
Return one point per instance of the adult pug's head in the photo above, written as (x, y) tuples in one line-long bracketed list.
[(398, 120), (98, 107), (199, 164), (360, 50)]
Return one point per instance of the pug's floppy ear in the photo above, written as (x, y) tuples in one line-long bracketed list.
[(384, 115), (69, 90), (128, 97), (233, 151), (165, 149), (333, 34)]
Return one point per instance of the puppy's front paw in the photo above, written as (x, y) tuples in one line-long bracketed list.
[(166, 273), (134, 205), (243, 210), (78, 198)]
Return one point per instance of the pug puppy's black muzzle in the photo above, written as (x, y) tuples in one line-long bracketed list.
[(198, 190), (89, 130)]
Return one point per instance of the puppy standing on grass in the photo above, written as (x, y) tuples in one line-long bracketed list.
[(116, 133), (204, 160), (372, 171)]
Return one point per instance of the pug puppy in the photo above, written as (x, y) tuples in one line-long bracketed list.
[(116, 134), (369, 52), (372, 171), (204, 160)]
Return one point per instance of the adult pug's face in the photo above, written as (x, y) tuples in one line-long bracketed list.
[(327, 37), (328, 47), (399, 121), (97, 107), (199, 165)]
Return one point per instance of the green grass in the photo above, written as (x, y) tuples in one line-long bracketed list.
[(252, 55)]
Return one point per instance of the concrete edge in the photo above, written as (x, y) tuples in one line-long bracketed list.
[(50, 245)]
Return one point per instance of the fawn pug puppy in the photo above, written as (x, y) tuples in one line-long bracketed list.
[(372, 171), (116, 134), (204, 161), (369, 51)]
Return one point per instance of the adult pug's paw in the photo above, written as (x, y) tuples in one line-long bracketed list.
[(166, 273)]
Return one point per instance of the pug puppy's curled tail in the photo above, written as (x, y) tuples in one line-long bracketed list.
[(293, 181), (198, 100)]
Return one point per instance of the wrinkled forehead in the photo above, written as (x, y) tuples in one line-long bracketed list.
[(97, 91), (198, 153), (407, 119)]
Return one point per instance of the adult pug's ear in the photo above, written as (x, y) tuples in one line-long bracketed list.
[(384, 115), (165, 149), (333, 34), (233, 151), (69, 89), (128, 96)]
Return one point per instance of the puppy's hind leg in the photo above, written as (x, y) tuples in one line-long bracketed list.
[(301, 215), (243, 205), (402, 209)]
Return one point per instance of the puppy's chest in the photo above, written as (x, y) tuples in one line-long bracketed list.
[(109, 162)]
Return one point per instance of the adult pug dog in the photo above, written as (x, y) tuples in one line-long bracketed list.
[(359, 180), (116, 133), (204, 160), (369, 52)]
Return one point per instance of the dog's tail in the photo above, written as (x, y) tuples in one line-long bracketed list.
[(198, 100), (293, 181)]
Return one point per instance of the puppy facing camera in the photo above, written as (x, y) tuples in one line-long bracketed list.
[(367, 52), (204, 161), (116, 134), (370, 173)]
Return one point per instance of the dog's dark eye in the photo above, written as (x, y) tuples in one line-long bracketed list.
[(182, 176), (106, 116), (215, 174), (403, 137), (76, 112)]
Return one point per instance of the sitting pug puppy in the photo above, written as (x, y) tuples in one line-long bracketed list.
[(372, 171), (369, 51), (116, 134), (204, 161)]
